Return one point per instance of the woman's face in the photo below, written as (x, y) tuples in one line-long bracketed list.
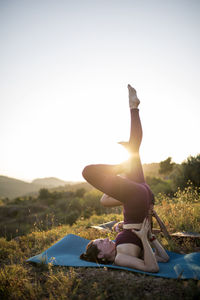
[(106, 248)]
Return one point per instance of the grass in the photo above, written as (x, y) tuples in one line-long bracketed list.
[(20, 280)]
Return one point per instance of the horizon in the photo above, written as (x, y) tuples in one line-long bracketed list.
[(63, 83), (67, 180)]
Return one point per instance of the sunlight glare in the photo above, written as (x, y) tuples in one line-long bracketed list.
[(113, 154)]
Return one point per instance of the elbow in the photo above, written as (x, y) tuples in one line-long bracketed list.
[(162, 259), (108, 201), (153, 269), (104, 200), (166, 259)]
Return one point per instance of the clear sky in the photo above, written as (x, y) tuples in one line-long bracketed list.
[(64, 70)]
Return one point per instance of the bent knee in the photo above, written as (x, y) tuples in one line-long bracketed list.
[(86, 172)]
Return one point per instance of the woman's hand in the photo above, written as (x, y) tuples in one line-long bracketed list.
[(118, 227), (151, 236), (142, 233)]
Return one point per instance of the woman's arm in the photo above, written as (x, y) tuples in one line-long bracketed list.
[(160, 253), (108, 201), (149, 263)]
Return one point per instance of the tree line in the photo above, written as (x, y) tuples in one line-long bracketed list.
[(174, 176), (55, 207)]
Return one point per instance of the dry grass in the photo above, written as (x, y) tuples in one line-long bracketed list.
[(20, 280)]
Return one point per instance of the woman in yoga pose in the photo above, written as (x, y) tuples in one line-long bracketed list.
[(131, 247)]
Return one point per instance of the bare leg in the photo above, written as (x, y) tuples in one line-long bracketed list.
[(135, 171), (105, 177)]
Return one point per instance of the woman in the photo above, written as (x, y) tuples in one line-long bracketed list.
[(137, 199)]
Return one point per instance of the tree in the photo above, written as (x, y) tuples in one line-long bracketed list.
[(191, 170), (80, 192), (44, 194), (159, 185), (166, 166)]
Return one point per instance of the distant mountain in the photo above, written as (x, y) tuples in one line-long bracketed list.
[(11, 187), (50, 182)]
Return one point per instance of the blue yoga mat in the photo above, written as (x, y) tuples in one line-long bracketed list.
[(66, 252)]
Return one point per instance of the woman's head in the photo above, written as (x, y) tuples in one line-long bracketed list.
[(101, 251)]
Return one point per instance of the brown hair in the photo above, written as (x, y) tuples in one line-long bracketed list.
[(91, 254)]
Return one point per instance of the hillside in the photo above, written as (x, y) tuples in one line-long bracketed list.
[(20, 280), (11, 187), (33, 224), (49, 206), (50, 182)]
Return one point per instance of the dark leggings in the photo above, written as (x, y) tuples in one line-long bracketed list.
[(131, 189)]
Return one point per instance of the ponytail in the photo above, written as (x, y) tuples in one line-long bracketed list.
[(84, 256)]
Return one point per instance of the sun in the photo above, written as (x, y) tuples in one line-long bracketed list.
[(112, 154)]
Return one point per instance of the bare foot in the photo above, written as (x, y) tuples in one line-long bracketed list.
[(126, 145), (133, 99)]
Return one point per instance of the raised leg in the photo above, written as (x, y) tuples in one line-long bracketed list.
[(127, 190), (134, 196), (134, 171)]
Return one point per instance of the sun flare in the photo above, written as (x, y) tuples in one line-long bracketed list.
[(115, 154)]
